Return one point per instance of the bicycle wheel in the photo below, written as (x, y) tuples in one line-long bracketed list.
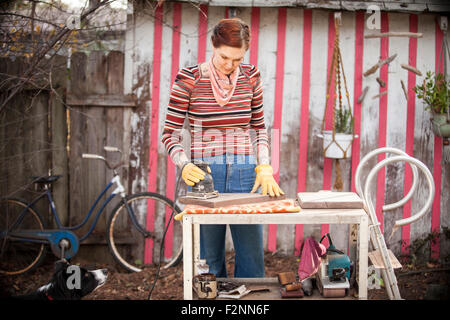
[(19, 256), (127, 243)]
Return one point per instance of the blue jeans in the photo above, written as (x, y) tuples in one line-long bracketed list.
[(233, 174)]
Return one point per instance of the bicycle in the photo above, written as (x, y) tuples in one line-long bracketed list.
[(24, 236)]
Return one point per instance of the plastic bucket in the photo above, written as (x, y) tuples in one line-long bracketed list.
[(439, 125)]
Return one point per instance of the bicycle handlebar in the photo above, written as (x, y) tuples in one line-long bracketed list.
[(98, 157), (111, 149), (92, 156)]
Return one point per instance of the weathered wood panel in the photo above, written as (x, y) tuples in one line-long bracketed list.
[(33, 139), (25, 143), (423, 137), (92, 128), (396, 123), (292, 100), (396, 107), (317, 91)]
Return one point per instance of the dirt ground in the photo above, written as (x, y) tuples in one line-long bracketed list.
[(428, 282)]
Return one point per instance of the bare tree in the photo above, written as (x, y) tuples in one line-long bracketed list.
[(36, 39), (38, 30)]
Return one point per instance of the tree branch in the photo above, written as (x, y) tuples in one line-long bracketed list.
[(44, 50)]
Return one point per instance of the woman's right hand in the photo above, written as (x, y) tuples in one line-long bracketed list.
[(192, 174)]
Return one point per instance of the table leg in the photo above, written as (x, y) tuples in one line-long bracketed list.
[(196, 245), (188, 264), (363, 257)]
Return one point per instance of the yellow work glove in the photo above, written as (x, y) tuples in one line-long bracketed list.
[(265, 179), (192, 174)]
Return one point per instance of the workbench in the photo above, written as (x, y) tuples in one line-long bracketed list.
[(191, 235)]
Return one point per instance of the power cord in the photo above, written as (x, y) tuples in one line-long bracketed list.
[(161, 248)]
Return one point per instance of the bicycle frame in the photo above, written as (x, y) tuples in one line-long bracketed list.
[(119, 190)]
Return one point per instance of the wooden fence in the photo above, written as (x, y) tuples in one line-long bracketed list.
[(33, 131), (45, 130)]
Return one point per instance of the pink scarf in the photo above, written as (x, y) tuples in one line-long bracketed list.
[(222, 86)]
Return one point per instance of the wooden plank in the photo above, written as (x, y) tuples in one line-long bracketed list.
[(114, 116), (154, 123), (382, 120), (358, 97), (76, 141), (278, 111), (304, 118), (267, 67), (410, 127), (76, 165), (78, 73), (363, 242), (394, 34), (14, 129), (36, 143), (329, 199), (443, 213), (292, 95), (305, 216), (170, 65), (340, 233), (88, 75), (95, 135), (188, 263), (377, 260), (58, 138), (116, 131), (318, 78), (102, 100), (396, 122), (228, 199), (423, 137)]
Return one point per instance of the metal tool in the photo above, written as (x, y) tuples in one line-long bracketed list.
[(338, 264), (204, 189), (334, 273)]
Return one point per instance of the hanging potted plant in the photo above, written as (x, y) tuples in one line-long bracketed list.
[(338, 145), (435, 93), (337, 142)]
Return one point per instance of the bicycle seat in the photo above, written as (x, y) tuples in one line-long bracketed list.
[(44, 180)]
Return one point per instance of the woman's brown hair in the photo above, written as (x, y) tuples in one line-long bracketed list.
[(231, 32)]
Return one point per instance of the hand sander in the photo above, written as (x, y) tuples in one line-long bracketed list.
[(204, 189)]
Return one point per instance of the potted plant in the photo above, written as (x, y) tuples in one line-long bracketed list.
[(435, 93), (339, 146)]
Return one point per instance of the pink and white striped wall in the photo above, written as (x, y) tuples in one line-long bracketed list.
[(293, 49)]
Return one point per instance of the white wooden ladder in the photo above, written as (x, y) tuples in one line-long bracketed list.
[(376, 235)]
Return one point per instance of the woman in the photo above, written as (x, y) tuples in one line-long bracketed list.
[(222, 99)]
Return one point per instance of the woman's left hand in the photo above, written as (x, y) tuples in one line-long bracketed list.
[(265, 179)]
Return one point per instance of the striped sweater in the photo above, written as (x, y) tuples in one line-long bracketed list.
[(235, 128)]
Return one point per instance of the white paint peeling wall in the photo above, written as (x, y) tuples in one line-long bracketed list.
[(319, 44), (139, 53), (422, 132)]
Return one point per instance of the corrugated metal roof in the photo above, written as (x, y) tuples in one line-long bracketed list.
[(349, 5)]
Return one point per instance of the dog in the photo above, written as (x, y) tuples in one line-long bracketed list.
[(69, 282)]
